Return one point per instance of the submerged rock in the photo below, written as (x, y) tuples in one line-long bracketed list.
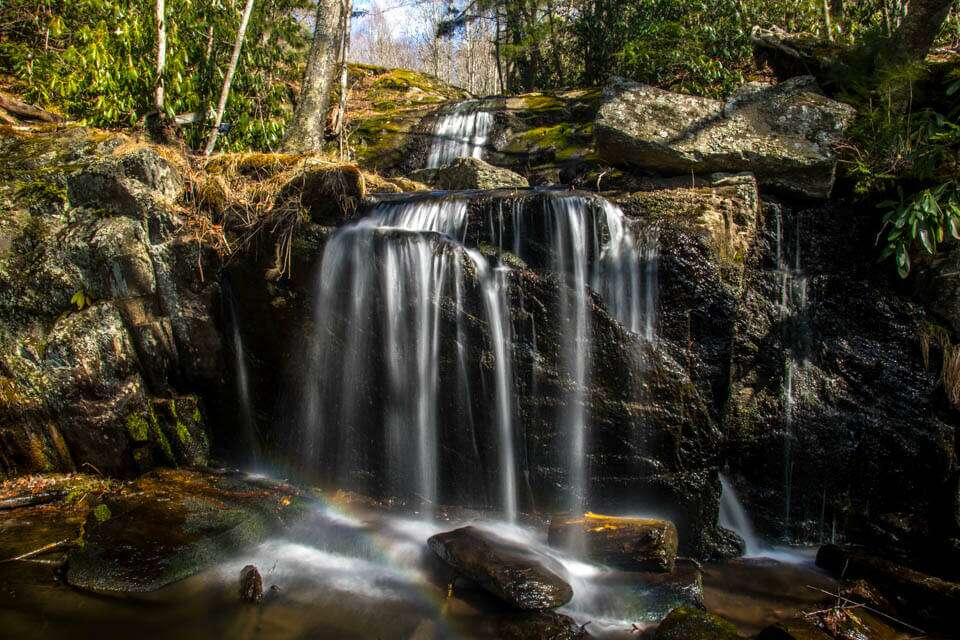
[(686, 623), (516, 575), (171, 524), (628, 543), (544, 625), (793, 630), (470, 173), (781, 133)]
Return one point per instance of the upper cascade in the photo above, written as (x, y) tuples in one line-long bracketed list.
[(461, 132)]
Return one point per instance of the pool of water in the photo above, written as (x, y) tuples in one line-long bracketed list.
[(368, 575)]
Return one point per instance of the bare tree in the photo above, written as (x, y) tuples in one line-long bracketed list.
[(228, 78), (307, 128)]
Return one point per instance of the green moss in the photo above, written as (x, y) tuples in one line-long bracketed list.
[(183, 434), (160, 438), (102, 513), (197, 417), (541, 102), (138, 428), (567, 140), (40, 192)]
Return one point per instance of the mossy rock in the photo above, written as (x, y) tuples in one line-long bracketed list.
[(171, 524), (687, 623)]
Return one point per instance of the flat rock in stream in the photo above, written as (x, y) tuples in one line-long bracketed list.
[(470, 173), (517, 576), (171, 524), (639, 544)]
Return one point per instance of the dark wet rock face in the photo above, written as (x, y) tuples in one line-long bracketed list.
[(107, 333), (835, 375), (172, 524), (515, 575), (628, 543), (686, 623), (781, 133)]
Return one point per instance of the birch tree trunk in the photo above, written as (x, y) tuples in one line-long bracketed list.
[(306, 130), (228, 78), (827, 22), (340, 117), (158, 99)]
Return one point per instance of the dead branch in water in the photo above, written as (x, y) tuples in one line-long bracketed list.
[(36, 552), (852, 604)]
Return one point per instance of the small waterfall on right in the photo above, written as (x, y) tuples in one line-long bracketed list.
[(734, 517), (793, 306), (460, 132)]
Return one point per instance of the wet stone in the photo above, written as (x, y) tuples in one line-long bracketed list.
[(517, 576), (640, 544), (251, 585)]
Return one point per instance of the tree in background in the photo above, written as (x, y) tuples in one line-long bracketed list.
[(307, 129)]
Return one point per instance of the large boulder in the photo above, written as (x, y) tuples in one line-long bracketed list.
[(107, 329), (470, 173), (780, 133), (639, 544), (516, 575)]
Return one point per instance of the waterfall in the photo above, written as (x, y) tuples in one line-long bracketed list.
[(249, 437), (461, 132), (398, 377), (734, 517), (382, 285), (793, 304), (591, 247)]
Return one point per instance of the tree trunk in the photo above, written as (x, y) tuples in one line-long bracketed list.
[(306, 131), (228, 78), (497, 54), (839, 13), (161, 56), (827, 22), (919, 29), (340, 117)]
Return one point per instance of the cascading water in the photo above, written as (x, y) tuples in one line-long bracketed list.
[(248, 426), (734, 517), (461, 132), (793, 304), (383, 282), (399, 298), (590, 246)]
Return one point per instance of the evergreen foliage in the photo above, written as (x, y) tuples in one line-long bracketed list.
[(95, 59)]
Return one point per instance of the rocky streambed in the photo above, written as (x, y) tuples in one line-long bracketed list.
[(161, 317)]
